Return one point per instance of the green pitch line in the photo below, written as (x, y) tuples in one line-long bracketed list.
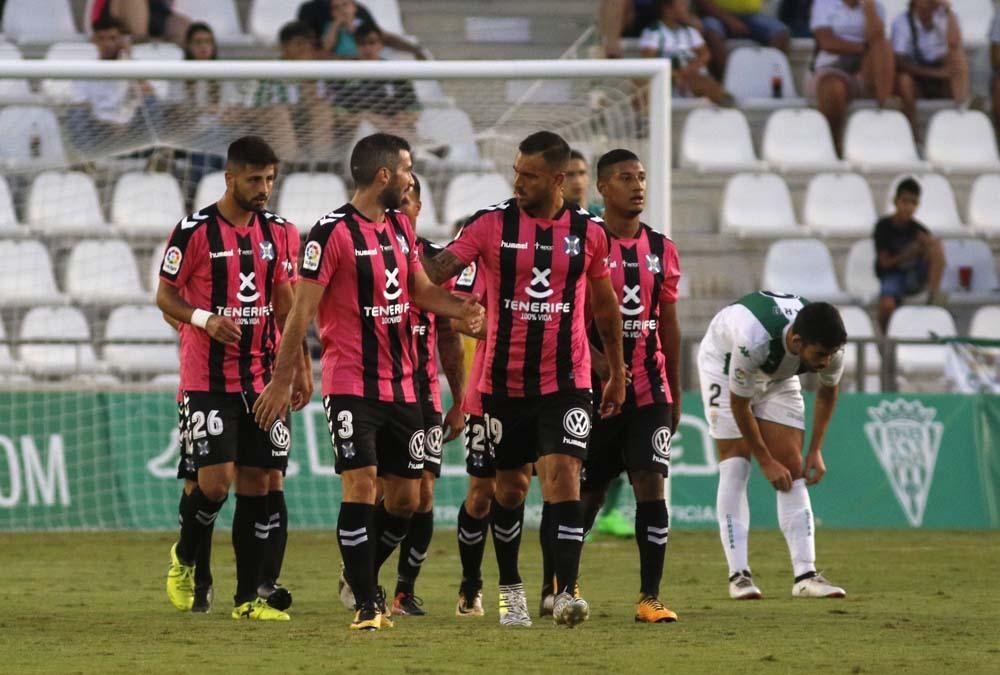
[(918, 602)]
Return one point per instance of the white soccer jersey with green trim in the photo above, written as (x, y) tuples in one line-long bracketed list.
[(747, 340)]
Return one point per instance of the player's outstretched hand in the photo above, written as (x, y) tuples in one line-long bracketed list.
[(613, 396), (271, 404), (223, 329), (454, 422), (473, 313), (815, 468), (777, 475)]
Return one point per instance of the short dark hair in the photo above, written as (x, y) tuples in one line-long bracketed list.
[(251, 151), (108, 23), (819, 323), (553, 148), (909, 186), (576, 154), (295, 29), (416, 185), (199, 27), (374, 152), (365, 29), (609, 159)]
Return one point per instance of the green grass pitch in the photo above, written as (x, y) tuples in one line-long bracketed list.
[(918, 602)]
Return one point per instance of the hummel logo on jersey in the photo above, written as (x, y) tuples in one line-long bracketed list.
[(392, 287), (539, 278), (520, 245), (572, 245), (221, 254), (631, 305), (266, 251), (246, 282), (653, 263)]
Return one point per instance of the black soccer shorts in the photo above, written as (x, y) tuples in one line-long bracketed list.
[(478, 452), (520, 430), (364, 432), (637, 439), (433, 439), (222, 428)]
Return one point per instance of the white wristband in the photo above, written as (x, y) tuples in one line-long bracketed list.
[(200, 317)]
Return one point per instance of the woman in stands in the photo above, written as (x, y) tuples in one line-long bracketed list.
[(853, 58)]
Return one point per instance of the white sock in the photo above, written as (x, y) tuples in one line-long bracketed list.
[(796, 519), (733, 511)]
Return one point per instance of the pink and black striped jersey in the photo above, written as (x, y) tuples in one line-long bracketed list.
[(470, 282), (425, 338), (536, 273), (364, 314), (645, 271), (230, 271)]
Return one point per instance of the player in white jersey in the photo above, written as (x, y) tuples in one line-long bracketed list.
[(747, 365)]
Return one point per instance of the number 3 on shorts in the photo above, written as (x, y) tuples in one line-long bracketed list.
[(346, 419)]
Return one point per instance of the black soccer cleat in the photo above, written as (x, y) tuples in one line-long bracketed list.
[(407, 604), (203, 598), (275, 595)]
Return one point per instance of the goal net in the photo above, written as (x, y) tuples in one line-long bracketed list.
[(101, 160)]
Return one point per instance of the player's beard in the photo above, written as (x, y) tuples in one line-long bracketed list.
[(248, 204), (391, 197)]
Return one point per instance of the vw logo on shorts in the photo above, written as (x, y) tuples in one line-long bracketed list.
[(280, 438), (576, 422), (432, 442), (417, 446), (661, 442)]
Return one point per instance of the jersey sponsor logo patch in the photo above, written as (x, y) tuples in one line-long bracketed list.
[(661, 445), (740, 376), (631, 305), (392, 288), (653, 263), (576, 422), (432, 443), (311, 256), (467, 276), (416, 446), (404, 245), (172, 260), (247, 284), (266, 251), (280, 438), (539, 286), (572, 245)]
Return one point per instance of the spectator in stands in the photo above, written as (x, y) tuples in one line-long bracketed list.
[(111, 114), (576, 186), (624, 18), (724, 19), (389, 105), (795, 14), (930, 60), (853, 58), (910, 259), (672, 37), (336, 22), (995, 62), (143, 19)]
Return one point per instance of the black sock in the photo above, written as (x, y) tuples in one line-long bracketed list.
[(278, 537), (199, 514), (545, 539), (471, 544), (413, 550), (354, 527), (389, 531), (566, 533), (507, 540), (203, 561), (652, 528), (250, 535)]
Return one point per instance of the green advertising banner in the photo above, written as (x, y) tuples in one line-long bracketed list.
[(73, 460)]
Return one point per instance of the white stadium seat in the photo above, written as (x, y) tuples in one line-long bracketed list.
[(880, 140), (8, 217), (717, 139), (839, 205), (758, 205), (57, 323), (803, 267), (39, 21), (62, 202), (221, 15), (937, 210), (984, 205), (147, 203), (975, 255), (267, 17), (61, 91), (859, 271), (986, 323), (306, 197), (469, 192), (155, 260), (103, 272), (31, 137), (156, 51), (749, 71), (962, 141), (143, 322), (799, 139), (386, 14), (26, 276), (7, 363), (14, 91), (211, 187), (451, 129), (429, 225), (974, 17), (859, 325), (920, 321)]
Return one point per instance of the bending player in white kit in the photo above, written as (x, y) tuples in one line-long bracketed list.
[(747, 365)]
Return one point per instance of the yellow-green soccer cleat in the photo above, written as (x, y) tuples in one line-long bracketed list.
[(180, 582), (368, 619), (258, 610)]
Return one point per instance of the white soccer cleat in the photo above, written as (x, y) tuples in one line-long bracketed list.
[(742, 587), (570, 611), (817, 587), (514, 606), (345, 591), (470, 603)]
